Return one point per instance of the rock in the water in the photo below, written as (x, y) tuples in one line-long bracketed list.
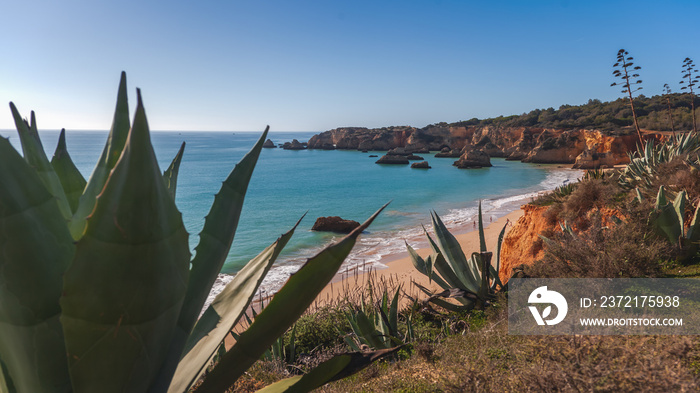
[(269, 144), (373, 155), (293, 145), (398, 151), (473, 159), (421, 165), (413, 157), (447, 153), (334, 224), (392, 159)]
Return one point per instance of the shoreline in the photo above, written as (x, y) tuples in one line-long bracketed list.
[(374, 253), (399, 270)]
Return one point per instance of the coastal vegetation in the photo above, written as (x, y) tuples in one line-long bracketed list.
[(99, 292), (605, 225), (613, 116)]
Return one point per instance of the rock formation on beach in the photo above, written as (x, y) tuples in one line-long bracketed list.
[(334, 224), (586, 148)]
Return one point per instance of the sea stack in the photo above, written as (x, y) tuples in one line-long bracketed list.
[(269, 144), (473, 159)]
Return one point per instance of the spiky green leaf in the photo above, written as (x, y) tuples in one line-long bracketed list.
[(224, 312), (71, 179), (123, 292), (170, 174), (35, 250), (217, 235), (36, 157), (110, 155), (284, 309), (454, 256)]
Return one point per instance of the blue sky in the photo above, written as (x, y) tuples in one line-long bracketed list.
[(316, 65)]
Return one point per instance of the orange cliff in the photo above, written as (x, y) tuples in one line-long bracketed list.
[(585, 148), (523, 245)]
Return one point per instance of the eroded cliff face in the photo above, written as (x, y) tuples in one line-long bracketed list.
[(358, 138), (523, 245), (586, 149)]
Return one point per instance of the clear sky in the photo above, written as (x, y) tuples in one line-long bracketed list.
[(302, 65)]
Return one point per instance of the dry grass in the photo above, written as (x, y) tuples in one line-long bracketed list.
[(629, 249), (489, 360)]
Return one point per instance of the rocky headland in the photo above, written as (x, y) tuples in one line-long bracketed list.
[(583, 148)]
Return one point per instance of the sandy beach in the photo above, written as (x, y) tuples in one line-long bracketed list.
[(401, 271)]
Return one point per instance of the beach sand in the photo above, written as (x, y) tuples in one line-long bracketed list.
[(350, 285), (401, 271)]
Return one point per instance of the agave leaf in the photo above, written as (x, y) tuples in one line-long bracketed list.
[(482, 238), (679, 208), (445, 272), (336, 368), (35, 156), (110, 155), (35, 250), (368, 331), (452, 251), (6, 385), (351, 343), (497, 270), (284, 309), (211, 252), (441, 266), (170, 174), (352, 319), (222, 315), (123, 292), (667, 222), (217, 235), (418, 262), (394, 311), (71, 179)]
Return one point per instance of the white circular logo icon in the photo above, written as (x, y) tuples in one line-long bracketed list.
[(542, 295)]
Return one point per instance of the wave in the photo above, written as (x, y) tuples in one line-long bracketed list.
[(374, 249)]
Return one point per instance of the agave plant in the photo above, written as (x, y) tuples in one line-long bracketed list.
[(641, 170), (98, 290), (379, 328), (668, 220), (472, 281)]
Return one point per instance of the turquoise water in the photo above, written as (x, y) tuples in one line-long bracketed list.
[(286, 184)]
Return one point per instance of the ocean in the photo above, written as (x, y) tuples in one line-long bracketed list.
[(288, 183)]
